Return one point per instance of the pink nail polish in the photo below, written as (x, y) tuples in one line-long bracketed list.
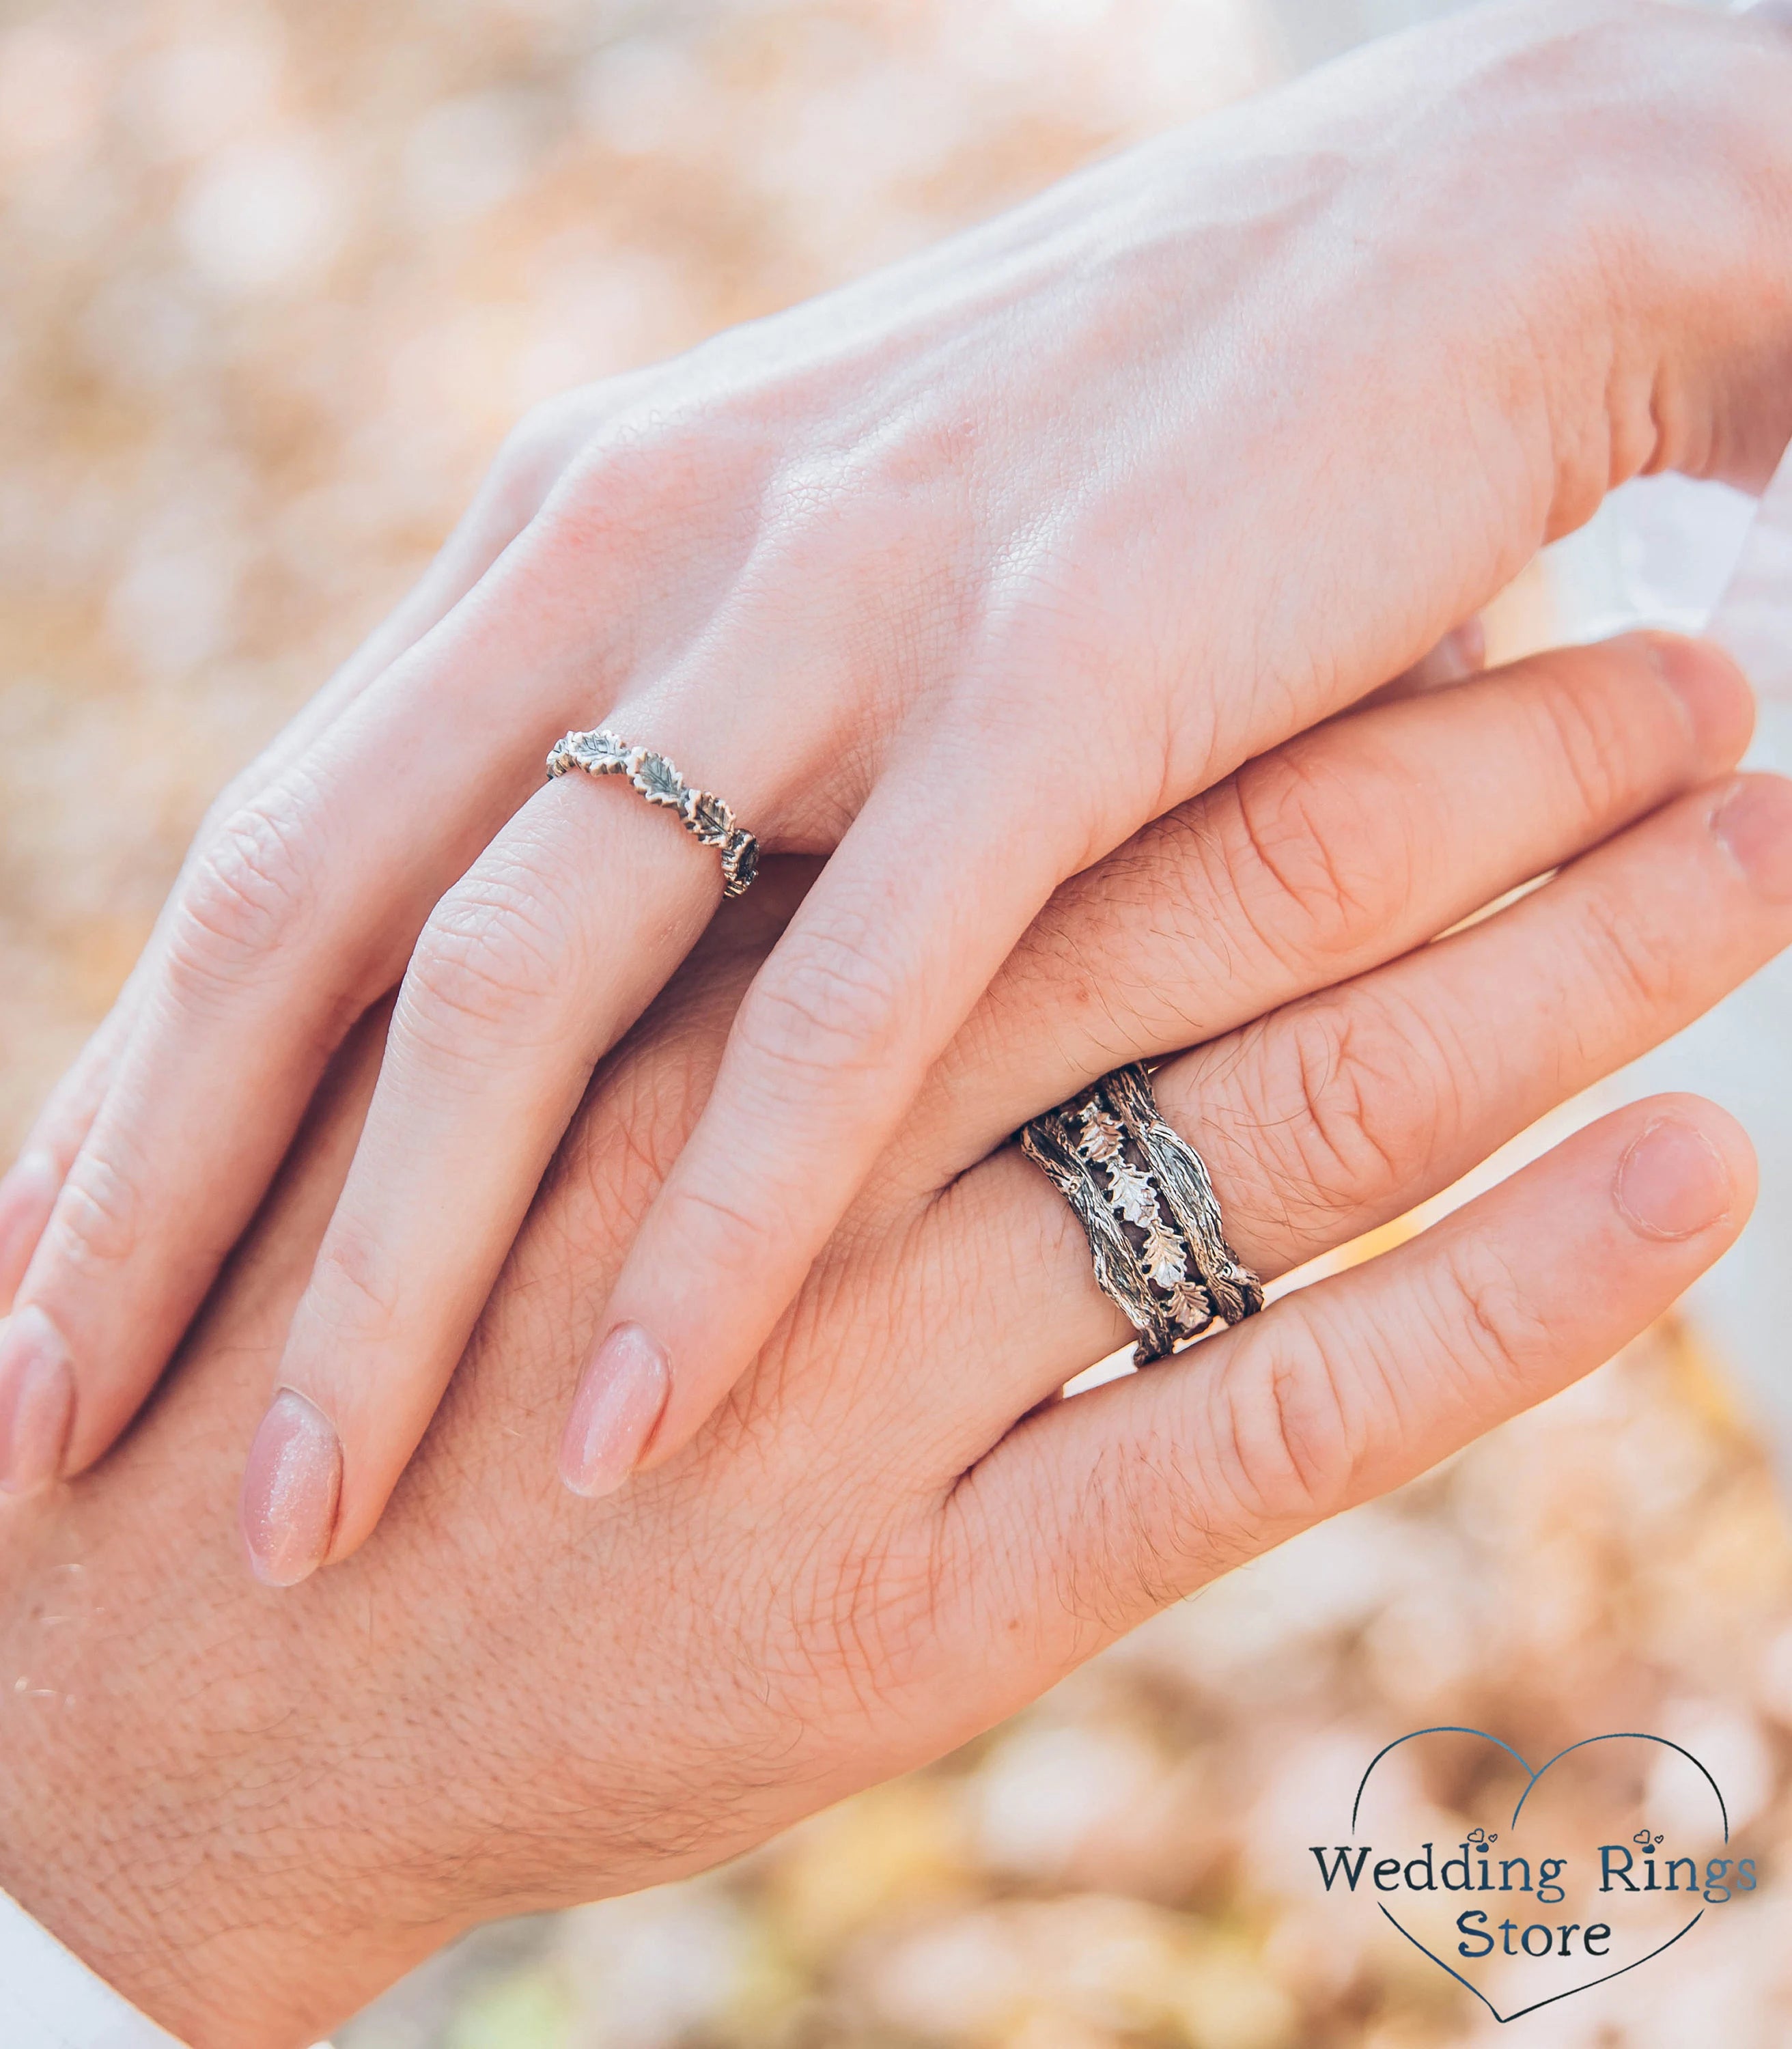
[(621, 1398), (27, 1194), (290, 1489), (36, 1402)]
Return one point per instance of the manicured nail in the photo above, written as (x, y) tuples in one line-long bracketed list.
[(27, 1196), (290, 1491), (1754, 824), (1672, 1182), (36, 1402), (620, 1400)]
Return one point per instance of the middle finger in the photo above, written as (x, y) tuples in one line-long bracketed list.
[(1339, 851), (1345, 1110)]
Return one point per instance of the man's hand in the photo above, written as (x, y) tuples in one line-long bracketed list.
[(251, 1809)]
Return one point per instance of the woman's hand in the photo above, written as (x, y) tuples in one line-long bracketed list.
[(960, 575), (1344, 848), (264, 1810)]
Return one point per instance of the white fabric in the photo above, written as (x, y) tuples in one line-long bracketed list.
[(50, 2000), (1752, 617), (1740, 1054)]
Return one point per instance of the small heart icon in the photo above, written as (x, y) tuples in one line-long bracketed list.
[(1567, 1893)]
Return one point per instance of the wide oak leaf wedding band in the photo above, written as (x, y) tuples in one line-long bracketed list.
[(706, 818), (1143, 1196)]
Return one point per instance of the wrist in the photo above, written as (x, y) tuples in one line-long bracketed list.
[(145, 1821)]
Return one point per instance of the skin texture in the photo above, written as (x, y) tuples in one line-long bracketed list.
[(251, 1809), (962, 573)]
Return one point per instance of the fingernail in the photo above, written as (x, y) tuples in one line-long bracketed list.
[(36, 1402), (619, 1402), (1672, 1182), (27, 1194), (290, 1489), (1754, 824), (1714, 694)]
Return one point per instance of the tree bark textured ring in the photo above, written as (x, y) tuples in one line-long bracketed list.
[(1146, 1203)]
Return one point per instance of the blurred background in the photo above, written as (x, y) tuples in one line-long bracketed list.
[(276, 278)]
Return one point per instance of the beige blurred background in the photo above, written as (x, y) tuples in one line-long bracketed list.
[(276, 278)]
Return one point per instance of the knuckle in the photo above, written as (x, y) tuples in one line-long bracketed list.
[(489, 957), (1486, 1320), (733, 1238), (1353, 1101), (1317, 862), (537, 448), (97, 1223), (1592, 732), (1635, 967), (827, 1002), (1279, 1449), (249, 890), (1287, 1438), (355, 1293), (1151, 1505)]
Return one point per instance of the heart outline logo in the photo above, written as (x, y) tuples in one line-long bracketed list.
[(1531, 1775)]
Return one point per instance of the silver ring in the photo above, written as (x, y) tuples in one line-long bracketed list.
[(706, 818), (1146, 1203)]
